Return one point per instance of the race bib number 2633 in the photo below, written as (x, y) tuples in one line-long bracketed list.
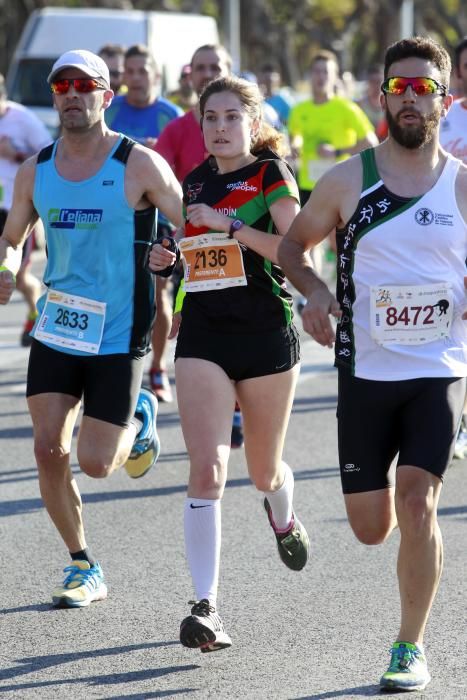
[(70, 321)]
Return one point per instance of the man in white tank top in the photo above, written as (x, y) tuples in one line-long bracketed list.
[(453, 138), (453, 131), (401, 342)]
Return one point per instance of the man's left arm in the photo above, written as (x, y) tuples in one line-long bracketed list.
[(150, 178), (165, 191)]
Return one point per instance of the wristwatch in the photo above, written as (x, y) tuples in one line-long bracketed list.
[(235, 226)]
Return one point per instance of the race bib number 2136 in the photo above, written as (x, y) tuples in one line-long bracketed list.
[(212, 261)]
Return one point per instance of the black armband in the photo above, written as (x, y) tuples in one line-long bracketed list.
[(173, 247)]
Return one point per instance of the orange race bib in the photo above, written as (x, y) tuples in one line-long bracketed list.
[(212, 261)]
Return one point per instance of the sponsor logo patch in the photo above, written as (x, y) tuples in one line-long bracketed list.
[(242, 185), (193, 191), (425, 217), (74, 218), (351, 468)]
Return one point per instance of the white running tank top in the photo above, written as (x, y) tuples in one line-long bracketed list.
[(453, 131), (396, 241)]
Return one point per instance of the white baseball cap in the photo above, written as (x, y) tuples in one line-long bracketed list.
[(87, 62)]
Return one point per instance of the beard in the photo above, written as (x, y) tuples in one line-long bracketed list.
[(417, 135)]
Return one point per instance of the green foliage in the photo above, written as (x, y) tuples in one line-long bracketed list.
[(286, 31)]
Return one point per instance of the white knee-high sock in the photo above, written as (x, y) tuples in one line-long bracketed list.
[(202, 523), (281, 501)]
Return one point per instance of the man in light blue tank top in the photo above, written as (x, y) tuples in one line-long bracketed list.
[(96, 193), (400, 211)]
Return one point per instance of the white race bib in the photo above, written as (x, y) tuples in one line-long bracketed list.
[(411, 315)]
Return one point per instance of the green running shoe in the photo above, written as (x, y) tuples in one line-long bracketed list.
[(293, 545), (408, 669)]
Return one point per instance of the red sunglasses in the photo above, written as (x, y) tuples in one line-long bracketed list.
[(61, 87), (420, 86)]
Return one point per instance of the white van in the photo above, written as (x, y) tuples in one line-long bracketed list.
[(172, 38)]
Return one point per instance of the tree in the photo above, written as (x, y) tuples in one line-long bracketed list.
[(285, 31)]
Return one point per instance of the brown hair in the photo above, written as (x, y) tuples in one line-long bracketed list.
[(252, 100), (218, 48), (419, 47), (111, 50), (324, 55), (142, 50)]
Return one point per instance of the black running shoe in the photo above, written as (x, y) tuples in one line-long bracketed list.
[(204, 629), (236, 439), (294, 544)]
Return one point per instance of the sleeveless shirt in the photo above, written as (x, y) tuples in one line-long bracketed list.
[(98, 246), (392, 240)]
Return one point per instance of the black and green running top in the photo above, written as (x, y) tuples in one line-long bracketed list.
[(246, 194), (377, 206)]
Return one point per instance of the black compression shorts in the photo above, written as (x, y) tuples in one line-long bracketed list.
[(242, 355), (417, 419), (108, 384)]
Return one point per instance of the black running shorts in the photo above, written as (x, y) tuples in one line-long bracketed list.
[(417, 419), (242, 355), (108, 384)]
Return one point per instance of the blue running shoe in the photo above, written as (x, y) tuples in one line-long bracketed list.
[(147, 446), (408, 669), (83, 584)]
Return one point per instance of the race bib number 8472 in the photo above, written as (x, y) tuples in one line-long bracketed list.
[(410, 315)]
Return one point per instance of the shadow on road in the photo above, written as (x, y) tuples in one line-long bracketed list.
[(314, 403), (364, 691), (29, 505), (39, 663)]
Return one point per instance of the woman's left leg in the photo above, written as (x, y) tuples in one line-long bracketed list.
[(266, 404)]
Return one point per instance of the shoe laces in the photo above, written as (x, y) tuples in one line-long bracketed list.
[(82, 577), (402, 658), (290, 540), (201, 607)]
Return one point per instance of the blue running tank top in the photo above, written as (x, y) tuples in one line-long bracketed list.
[(98, 247)]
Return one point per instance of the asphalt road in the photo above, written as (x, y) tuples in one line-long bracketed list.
[(318, 634)]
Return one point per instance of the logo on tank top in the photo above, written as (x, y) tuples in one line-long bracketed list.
[(425, 217), (193, 191), (242, 185), (74, 218)]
